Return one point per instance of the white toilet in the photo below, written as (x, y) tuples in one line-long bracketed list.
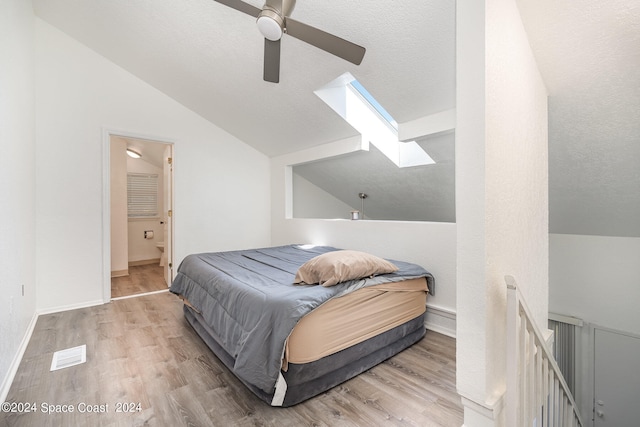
[(160, 245)]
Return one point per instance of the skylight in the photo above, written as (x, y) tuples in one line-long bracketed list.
[(374, 104), (347, 97)]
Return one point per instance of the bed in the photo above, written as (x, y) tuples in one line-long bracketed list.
[(294, 321)]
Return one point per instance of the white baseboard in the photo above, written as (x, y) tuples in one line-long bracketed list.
[(70, 307), (15, 364), (140, 262), (441, 320), (481, 413), (119, 273), (13, 369)]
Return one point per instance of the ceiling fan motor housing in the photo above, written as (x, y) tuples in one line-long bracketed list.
[(270, 24), (271, 20)]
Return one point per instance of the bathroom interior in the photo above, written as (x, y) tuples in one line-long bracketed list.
[(138, 257)]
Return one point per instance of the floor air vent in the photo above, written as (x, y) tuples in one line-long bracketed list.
[(69, 357)]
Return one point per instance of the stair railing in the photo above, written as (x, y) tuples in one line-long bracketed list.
[(537, 393)]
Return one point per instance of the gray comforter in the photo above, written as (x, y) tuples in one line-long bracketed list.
[(248, 298)]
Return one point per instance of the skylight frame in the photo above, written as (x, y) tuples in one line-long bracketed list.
[(349, 99)]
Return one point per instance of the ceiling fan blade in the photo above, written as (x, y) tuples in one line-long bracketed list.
[(271, 61), (241, 6), (325, 41)]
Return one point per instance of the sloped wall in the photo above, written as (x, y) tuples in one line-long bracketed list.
[(221, 184)]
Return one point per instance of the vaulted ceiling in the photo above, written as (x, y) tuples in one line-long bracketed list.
[(588, 52), (209, 57)]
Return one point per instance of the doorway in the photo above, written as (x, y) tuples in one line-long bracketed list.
[(139, 215), (616, 378)]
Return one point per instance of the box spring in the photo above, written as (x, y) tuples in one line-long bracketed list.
[(310, 379)]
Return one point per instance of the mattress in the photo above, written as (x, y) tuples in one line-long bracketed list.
[(275, 335), (351, 319)]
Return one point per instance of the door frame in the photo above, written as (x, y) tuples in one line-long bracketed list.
[(592, 361), (107, 133)]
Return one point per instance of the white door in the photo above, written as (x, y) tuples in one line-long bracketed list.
[(168, 213), (616, 379)]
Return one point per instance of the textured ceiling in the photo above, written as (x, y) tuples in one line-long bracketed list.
[(422, 193), (588, 52), (209, 58)]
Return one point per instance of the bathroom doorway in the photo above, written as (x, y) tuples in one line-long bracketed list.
[(140, 215)]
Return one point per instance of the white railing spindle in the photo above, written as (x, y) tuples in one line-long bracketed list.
[(537, 393)]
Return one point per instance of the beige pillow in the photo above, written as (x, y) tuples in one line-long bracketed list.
[(340, 266)]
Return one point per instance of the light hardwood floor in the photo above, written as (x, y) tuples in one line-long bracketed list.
[(141, 350), (141, 279)]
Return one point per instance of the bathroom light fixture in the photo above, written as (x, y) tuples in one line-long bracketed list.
[(133, 154)]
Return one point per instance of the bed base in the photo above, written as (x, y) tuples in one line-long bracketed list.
[(310, 379)]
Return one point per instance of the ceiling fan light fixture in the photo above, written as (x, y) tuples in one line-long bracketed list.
[(270, 24), (273, 20)]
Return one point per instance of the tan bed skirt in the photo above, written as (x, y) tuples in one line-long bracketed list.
[(345, 321)]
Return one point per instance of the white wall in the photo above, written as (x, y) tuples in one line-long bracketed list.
[(221, 184), (597, 279), (139, 248), (431, 245), (501, 195), (17, 183), (311, 201)]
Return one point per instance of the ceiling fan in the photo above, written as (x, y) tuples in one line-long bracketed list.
[(273, 21)]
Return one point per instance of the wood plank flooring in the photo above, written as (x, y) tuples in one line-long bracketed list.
[(142, 351), (141, 279)]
